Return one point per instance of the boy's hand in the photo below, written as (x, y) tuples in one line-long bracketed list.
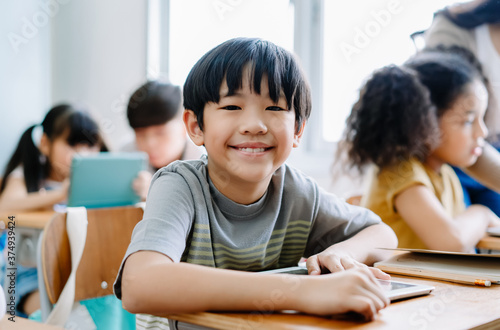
[(337, 261), (353, 290), (141, 184), (65, 189)]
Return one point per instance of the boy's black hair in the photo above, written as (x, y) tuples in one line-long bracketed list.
[(227, 62), (397, 115), (154, 103), (61, 121)]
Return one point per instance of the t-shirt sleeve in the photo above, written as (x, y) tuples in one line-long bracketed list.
[(444, 32), (166, 222), (336, 221), (404, 176)]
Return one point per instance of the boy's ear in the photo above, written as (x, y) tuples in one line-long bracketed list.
[(193, 129), (44, 146), (298, 135)]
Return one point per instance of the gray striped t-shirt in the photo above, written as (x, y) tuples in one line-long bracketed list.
[(188, 219)]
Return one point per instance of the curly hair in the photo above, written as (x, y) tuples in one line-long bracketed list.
[(397, 115), (393, 120)]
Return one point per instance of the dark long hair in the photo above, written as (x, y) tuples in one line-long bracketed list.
[(486, 12), (61, 119)]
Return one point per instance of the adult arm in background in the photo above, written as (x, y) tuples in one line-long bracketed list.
[(487, 168)]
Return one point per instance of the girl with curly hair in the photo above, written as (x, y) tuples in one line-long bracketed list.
[(411, 122)]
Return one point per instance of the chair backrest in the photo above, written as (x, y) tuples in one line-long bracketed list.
[(108, 235)]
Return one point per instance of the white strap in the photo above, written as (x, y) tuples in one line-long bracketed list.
[(142, 205), (76, 227)]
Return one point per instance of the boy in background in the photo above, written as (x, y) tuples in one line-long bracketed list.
[(241, 209), (154, 113)]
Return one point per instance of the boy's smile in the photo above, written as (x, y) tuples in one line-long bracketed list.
[(252, 148), (247, 137)]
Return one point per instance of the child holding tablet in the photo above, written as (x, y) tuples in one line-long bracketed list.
[(37, 177)]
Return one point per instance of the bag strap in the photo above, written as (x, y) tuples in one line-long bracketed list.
[(76, 227)]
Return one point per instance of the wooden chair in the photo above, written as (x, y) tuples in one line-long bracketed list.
[(108, 235)]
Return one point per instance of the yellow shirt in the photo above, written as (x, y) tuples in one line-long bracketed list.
[(387, 184)]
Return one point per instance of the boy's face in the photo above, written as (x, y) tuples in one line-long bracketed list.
[(247, 137), (163, 143)]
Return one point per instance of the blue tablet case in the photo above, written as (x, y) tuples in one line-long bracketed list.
[(105, 179)]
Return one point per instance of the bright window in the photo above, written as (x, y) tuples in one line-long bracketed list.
[(197, 26), (362, 36)]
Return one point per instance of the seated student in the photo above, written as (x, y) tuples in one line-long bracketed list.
[(241, 208), (154, 112), (475, 25), (37, 177), (411, 122)]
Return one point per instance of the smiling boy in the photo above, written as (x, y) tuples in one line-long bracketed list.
[(241, 209)]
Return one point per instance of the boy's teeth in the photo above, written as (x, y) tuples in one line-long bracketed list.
[(252, 149)]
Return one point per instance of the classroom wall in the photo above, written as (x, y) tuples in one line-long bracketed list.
[(90, 52), (99, 59), (25, 70)]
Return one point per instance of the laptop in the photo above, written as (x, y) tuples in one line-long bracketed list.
[(394, 290), (105, 179)]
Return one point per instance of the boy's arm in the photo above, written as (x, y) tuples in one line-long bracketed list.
[(357, 251), (487, 168), (152, 283)]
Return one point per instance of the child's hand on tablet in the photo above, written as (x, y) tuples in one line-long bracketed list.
[(334, 261)]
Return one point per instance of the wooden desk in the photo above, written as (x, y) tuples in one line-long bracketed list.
[(28, 227), (449, 306), (27, 230), (489, 243), (35, 219), (24, 324)]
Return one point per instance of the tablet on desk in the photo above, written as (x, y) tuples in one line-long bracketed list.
[(105, 179), (394, 290)]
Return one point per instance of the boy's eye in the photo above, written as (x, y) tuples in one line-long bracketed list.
[(231, 107), (276, 108)]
